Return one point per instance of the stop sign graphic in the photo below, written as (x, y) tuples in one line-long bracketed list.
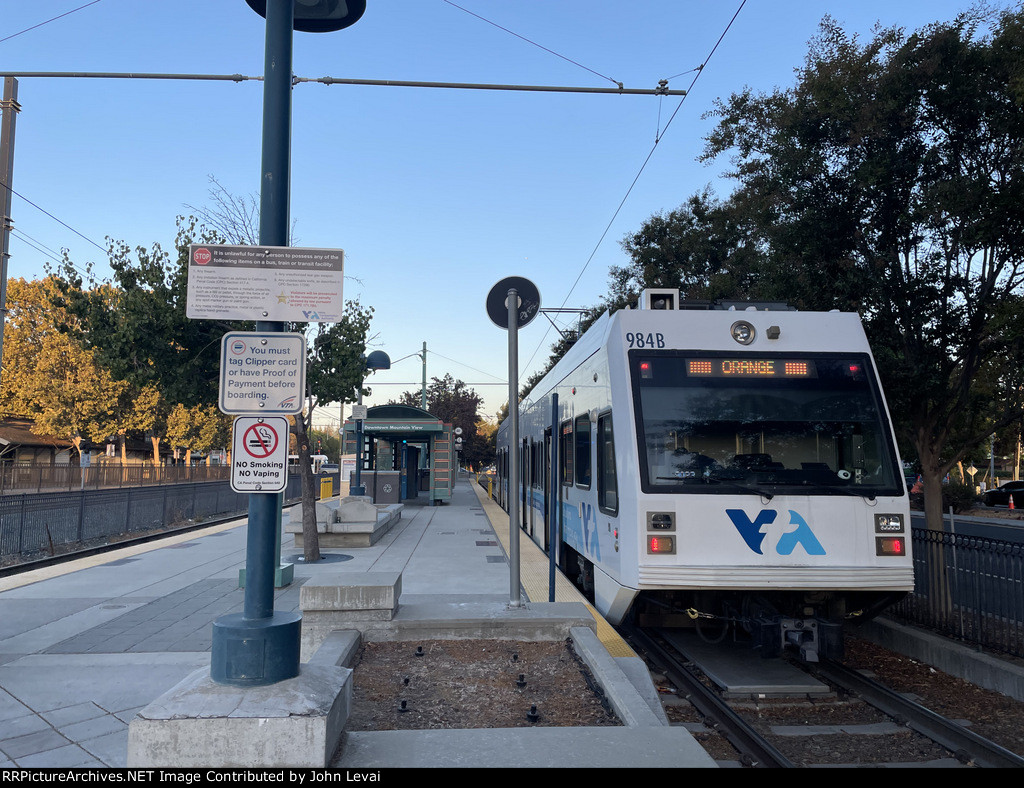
[(202, 256)]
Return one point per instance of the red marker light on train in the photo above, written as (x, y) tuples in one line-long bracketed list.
[(659, 545), (891, 545)]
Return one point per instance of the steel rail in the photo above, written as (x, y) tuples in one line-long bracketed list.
[(720, 717), (956, 738)]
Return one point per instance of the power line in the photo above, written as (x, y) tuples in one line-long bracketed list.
[(699, 70), (54, 19), (534, 43), (63, 224)]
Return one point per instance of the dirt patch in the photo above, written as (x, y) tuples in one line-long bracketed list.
[(473, 684), (994, 514)]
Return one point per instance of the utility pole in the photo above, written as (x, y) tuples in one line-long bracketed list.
[(10, 108), (423, 395)]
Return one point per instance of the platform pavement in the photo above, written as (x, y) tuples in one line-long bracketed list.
[(87, 644)]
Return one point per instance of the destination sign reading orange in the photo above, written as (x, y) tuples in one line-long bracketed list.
[(749, 368)]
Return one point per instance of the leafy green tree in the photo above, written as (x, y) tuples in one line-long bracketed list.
[(136, 327), (334, 373), (49, 375), (889, 181), (453, 402)]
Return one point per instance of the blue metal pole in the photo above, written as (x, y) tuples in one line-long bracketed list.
[(259, 646), (553, 533)]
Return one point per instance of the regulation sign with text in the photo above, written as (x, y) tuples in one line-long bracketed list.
[(276, 283), (259, 457), (262, 373)]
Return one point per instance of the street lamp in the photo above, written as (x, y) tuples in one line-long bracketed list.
[(378, 359)]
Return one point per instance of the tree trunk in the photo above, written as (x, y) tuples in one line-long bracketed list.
[(155, 440), (310, 537), (938, 581)]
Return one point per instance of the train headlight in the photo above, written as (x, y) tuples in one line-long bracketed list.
[(891, 545), (661, 545), (888, 523), (743, 332), (661, 521)]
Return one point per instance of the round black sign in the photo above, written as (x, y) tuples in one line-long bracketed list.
[(318, 19), (529, 301)]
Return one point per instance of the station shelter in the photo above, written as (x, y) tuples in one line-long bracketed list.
[(407, 452)]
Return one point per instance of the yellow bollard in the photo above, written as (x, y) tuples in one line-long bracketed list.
[(490, 488)]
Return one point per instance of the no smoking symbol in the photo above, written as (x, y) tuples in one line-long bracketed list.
[(260, 441)]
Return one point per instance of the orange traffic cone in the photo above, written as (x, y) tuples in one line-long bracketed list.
[(1012, 507)]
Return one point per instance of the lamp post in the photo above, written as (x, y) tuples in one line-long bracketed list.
[(378, 359), (260, 646)]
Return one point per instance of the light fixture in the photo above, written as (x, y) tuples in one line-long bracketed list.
[(743, 332)]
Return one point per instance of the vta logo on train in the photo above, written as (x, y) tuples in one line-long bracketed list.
[(751, 532)]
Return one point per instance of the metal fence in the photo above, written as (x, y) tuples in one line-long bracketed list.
[(33, 524), (968, 588), (39, 478)]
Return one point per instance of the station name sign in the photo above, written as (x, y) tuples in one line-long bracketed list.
[(273, 283), (262, 373)]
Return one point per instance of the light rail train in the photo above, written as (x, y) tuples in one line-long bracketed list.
[(728, 465)]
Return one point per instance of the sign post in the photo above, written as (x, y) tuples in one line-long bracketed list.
[(260, 646), (511, 303)]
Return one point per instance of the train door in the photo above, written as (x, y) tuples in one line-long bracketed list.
[(545, 484), (524, 484)]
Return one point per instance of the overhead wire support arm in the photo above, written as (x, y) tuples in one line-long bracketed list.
[(399, 83), (659, 91)]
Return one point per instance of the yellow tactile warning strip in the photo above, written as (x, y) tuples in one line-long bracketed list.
[(534, 573)]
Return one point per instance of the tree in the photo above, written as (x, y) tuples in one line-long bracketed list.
[(136, 327), (889, 181), (453, 402), (334, 373), (201, 428), (50, 376)]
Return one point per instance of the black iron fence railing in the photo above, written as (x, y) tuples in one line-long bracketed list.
[(34, 524), (968, 588), (40, 478)]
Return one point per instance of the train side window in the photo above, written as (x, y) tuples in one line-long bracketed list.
[(607, 481), (583, 451), (565, 452)]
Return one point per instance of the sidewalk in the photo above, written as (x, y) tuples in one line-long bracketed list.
[(85, 645)]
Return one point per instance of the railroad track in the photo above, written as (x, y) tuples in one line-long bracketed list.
[(756, 751)]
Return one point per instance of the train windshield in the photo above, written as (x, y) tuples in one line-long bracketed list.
[(712, 422)]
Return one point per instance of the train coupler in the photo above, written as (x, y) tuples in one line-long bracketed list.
[(813, 638)]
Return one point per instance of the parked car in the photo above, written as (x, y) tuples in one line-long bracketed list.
[(1000, 496)]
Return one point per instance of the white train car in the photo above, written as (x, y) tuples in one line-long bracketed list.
[(722, 465)]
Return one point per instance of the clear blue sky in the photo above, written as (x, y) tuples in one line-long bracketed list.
[(435, 195)]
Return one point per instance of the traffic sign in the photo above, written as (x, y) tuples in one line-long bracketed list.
[(262, 373), (259, 456)]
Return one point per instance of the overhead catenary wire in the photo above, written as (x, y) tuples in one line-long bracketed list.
[(53, 19), (699, 70), (534, 43)]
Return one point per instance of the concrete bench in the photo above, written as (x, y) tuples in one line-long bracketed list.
[(354, 522)]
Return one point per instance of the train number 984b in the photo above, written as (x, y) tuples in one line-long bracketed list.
[(645, 340)]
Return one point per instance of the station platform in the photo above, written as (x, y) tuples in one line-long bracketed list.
[(85, 645)]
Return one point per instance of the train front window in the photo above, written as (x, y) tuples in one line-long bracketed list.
[(771, 423)]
